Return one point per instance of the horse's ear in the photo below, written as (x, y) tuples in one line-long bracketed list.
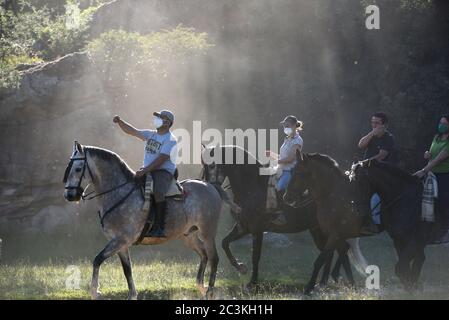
[(78, 147), (203, 149)]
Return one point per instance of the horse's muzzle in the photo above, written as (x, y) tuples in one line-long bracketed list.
[(72, 194)]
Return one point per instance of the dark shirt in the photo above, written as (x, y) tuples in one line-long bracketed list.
[(385, 142)]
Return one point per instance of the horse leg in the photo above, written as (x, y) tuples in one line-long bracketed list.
[(316, 269), (193, 242), (324, 256), (417, 264), (320, 241), (326, 269), (127, 270), (344, 259), (212, 257), (336, 271), (403, 266), (236, 233), (257, 250), (113, 247), (423, 237)]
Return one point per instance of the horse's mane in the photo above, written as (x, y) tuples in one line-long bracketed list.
[(327, 161), (396, 171), (235, 148), (108, 155)]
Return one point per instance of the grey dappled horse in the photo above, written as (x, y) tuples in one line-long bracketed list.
[(193, 220)]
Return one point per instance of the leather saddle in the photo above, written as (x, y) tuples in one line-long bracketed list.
[(175, 191)]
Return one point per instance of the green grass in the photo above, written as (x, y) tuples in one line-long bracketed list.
[(36, 270)]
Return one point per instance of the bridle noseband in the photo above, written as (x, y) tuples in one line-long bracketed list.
[(69, 167)]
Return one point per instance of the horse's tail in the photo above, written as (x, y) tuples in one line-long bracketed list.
[(224, 196), (356, 257)]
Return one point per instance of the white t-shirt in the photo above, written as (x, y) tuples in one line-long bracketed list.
[(157, 144), (286, 148)]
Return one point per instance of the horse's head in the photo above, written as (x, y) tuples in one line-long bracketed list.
[(75, 173), (300, 181), (211, 172)]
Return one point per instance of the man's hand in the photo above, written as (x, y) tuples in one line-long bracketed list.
[(427, 155), (378, 131), (140, 173), (270, 154), (116, 119)]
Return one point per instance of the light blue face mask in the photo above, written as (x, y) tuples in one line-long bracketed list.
[(288, 131)]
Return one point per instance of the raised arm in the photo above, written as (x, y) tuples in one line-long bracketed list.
[(128, 128)]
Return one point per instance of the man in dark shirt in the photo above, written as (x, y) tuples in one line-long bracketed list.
[(379, 142), (379, 145)]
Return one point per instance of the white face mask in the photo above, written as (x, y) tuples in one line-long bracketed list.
[(157, 122), (288, 131)]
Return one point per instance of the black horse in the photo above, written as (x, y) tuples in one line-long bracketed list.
[(401, 214), (341, 202), (249, 188)]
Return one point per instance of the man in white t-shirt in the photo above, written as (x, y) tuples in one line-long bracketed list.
[(160, 153)]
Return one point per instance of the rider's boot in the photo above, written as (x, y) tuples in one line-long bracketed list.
[(280, 218), (159, 224)]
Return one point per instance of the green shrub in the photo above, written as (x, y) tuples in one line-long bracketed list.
[(39, 33), (126, 55)]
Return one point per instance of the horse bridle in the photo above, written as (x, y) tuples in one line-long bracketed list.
[(69, 167), (81, 190)]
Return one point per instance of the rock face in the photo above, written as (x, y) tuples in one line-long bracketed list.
[(58, 102), (61, 101), (39, 121)]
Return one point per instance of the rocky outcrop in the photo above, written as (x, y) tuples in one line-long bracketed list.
[(55, 101)]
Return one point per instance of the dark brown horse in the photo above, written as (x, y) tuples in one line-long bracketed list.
[(341, 203), (249, 188)]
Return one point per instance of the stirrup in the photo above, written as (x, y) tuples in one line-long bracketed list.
[(146, 205), (159, 233)]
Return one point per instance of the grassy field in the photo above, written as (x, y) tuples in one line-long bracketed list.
[(39, 268)]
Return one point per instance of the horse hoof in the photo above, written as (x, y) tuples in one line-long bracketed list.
[(203, 290), (210, 294), (308, 290), (97, 296), (132, 296), (242, 268), (336, 278), (250, 286)]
